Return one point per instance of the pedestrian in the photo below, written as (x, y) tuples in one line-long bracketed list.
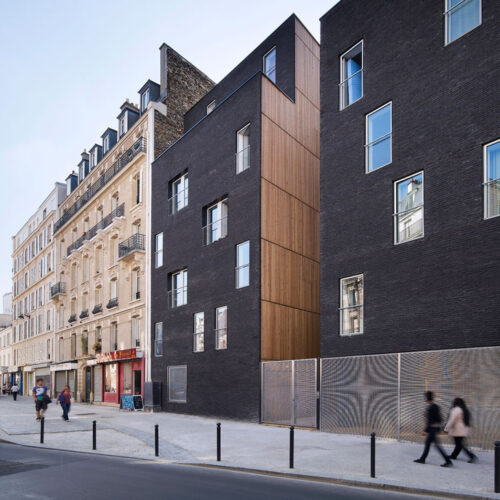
[(433, 426), (41, 397), (14, 390), (4, 389), (64, 399), (458, 427)]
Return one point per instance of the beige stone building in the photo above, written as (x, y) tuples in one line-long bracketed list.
[(33, 267), (102, 235)]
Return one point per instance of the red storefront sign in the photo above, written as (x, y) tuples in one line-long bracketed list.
[(117, 355)]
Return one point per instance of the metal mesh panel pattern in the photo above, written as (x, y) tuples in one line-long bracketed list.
[(359, 395), (305, 383), (277, 392)]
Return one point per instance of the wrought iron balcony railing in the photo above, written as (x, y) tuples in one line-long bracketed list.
[(130, 245), (72, 318), (97, 309), (138, 147), (58, 288), (84, 314), (112, 303)]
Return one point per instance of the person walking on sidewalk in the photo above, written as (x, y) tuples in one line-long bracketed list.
[(64, 399), (14, 390), (458, 427), (433, 419), (41, 398)]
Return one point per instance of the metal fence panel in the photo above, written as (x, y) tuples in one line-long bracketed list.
[(359, 394), (305, 393)]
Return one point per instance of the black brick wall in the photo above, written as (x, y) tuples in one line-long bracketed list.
[(441, 291)]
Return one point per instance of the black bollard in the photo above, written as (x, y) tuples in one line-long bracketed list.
[(218, 442), (291, 446), (497, 466), (157, 447), (94, 435), (42, 429), (372, 455)]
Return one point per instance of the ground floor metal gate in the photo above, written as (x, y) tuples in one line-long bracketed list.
[(289, 392)]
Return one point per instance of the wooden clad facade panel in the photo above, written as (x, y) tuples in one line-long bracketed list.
[(306, 71), (288, 165), (307, 38)]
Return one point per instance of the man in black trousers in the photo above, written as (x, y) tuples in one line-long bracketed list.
[(433, 418)]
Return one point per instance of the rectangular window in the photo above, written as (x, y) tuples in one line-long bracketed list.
[(211, 106), (409, 208), (127, 378), (158, 250), (216, 228), (351, 305), (159, 339), (179, 288), (351, 75), (243, 149), (136, 338), (199, 332), (461, 16), (379, 138), (221, 328), (177, 384), (114, 337), (138, 191), (243, 264), (270, 65), (180, 194), (145, 100), (136, 284), (110, 377), (492, 180)]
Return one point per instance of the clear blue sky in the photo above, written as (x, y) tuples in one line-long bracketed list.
[(67, 66)]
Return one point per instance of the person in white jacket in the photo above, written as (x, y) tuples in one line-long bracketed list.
[(458, 427)]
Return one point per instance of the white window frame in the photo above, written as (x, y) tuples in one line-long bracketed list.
[(136, 331), (240, 153), (221, 222), (273, 68), (158, 251), (170, 399), (486, 182), (211, 106), (182, 291), (448, 12), (342, 307), (368, 144), (395, 205), (344, 79), (240, 266), (158, 339), (218, 328), (183, 182), (198, 333), (145, 97)]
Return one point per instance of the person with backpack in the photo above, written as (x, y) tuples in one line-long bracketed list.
[(41, 397), (458, 427), (64, 399), (433, 420)]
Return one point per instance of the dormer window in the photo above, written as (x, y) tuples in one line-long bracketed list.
[(81, 172), (145, 97), (106, 144), (93, 158), (121, 127)]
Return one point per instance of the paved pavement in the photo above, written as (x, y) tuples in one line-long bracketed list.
[(188, 439), (36, 473)]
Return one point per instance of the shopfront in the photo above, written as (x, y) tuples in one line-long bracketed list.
[(12, 376), (64, 374), (29, 380), (119, 372), (42, 371)]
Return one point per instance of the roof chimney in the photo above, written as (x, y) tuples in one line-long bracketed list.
[(163, 71)]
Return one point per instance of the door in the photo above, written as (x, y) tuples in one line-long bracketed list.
[(98, 383), (88, 382), (137, 382)]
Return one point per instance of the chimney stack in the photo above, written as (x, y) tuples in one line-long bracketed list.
[(163, 71)]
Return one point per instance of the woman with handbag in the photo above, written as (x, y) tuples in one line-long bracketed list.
[(458, 427)]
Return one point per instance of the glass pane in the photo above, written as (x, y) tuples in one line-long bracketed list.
[(243, 276), (177, 378), (379, 123), (462, 18), (243, 257), (352, 291), (270, 65), (199, 322), (352, 320), (493, 159), (410, 193), (410, 225), (379, 154), (221, 317), (110, 378), (127, 377), (199, 342), (493, 199)]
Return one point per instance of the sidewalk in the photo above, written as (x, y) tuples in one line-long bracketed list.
[(187, 439)]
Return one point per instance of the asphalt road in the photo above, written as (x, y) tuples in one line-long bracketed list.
[(48, 474)]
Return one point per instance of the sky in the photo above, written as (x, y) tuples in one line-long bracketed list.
[(67, 66)]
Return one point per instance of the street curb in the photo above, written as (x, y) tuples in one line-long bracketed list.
[(283, 475)]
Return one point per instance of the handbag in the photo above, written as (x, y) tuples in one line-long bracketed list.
[(46, 399)]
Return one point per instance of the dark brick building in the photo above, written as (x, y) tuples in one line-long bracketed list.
[(410, 233), (229, 201)]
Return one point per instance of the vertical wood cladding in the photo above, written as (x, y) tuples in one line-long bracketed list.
[(290, 210)]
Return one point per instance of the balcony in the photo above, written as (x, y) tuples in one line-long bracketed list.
[(138, 147), (72, 318), (84, 314), (58, 290), (112, 303), (128, 249), (97, 309), (102, 224)]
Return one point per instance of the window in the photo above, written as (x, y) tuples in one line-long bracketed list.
[(179, 288), (110, 377), (243, 264), (138, 190), (73, 345), (106, 144), (114, 337), (98, 260), (270, 65), (243, 149), (221, 328), (115, 200), (98, 298), (177, 384), (211, 106), (159, 250), (180, 194), (136, 339), (159, 339), (85, 269), (113, 258), (121, 125), (98, 335), (112, 289), (216, 217), (461, 16), (379, 138), (492, 180), (351, 75), (199, 332), (409, 208), (144, 100), (351, 305), (136, 284)]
